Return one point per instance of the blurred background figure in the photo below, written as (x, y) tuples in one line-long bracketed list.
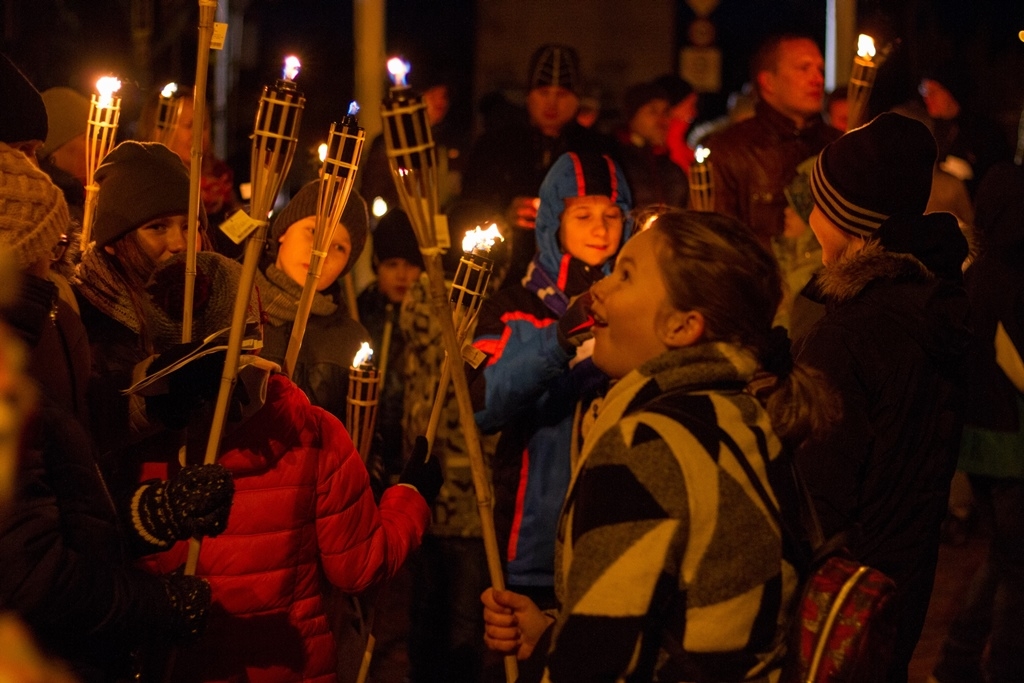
[(62, 155), (643, 152)]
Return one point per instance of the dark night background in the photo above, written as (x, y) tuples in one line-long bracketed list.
[(71, 42)]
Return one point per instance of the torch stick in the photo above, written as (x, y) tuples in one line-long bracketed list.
[(702, 184), (104, 113), (207, 11), (344, 147), (862, 79), (362, 400), (274, 140), (412, 158)]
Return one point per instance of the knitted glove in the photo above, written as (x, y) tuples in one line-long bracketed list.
[(188, 599), (577, 324), (423, 473), (195, 502)]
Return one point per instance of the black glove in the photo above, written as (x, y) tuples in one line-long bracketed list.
[(422, 472), (188, 599), (188, 386), (194, 502), (577, 324)]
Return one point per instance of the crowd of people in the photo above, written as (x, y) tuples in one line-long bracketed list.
[(654, 387)]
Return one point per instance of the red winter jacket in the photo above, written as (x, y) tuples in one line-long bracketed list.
[(302, 502)]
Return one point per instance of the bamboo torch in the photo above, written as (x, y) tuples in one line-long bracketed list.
[(862, 78), (274, 139), (702, 184), (168, 109), (104, 113), (361, 402), (412, 158), (341, 161), (467, 295)]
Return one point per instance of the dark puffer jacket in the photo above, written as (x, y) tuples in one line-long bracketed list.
[(753, 161), (892, 343)]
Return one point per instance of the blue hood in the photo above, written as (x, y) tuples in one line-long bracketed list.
[(577, 175)]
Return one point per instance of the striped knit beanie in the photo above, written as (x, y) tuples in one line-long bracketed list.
[(874, 172), (33, 213), (557, 65)]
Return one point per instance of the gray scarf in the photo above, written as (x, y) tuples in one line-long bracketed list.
[(280, 294)]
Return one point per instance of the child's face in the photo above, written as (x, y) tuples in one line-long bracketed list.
[(591, 228), (162, 238), (630, 309), (296, 248), (395, 276)]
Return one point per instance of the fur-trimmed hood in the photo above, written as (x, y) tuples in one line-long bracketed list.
[(848, 278)]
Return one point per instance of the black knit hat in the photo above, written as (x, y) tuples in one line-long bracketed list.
[(355, 219), (139, 181), (23, 114), (555, 64), (637, 96), (394, 238), (874, 172)]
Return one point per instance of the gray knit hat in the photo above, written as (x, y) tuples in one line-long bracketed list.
[(33, 213), (355, 219), (68, 113), (874, 172), (139, 181)]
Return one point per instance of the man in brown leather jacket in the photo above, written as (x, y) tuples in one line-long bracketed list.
[(755, 159)]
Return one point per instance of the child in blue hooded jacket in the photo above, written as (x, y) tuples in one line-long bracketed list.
[(538, 373)]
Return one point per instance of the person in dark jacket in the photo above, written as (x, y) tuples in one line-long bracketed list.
[(533, 378), (653, 177), (68, 542), (332, 337), (892, 342), (398, 264), (506, 166), (992, 449), (141, 220), (755, 159)]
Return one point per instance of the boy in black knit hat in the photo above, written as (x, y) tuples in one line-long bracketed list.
[(892, 342)]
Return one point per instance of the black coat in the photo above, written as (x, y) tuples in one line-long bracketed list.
[(892, 343)]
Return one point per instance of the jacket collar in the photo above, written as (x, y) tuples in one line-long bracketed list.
[(783, 125), (846, 279)]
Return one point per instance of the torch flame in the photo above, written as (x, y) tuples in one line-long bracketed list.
[(399, 69), (363, 355), (481, 239), (701, 154), (106, 87), (291, 67), (865, 46), (353, 108), (169, 90), (321, 152)]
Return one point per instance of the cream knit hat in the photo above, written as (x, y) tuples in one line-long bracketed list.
[(33, 213)]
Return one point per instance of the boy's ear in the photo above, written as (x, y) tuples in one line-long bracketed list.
[(681, 328)]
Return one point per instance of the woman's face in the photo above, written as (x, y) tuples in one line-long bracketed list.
[(297, 246), (162, 238), (591, 228), (630, 309)]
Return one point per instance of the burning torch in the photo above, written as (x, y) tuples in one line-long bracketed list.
[(862, 78), (412, 158), (274, 139), (104, 112), (467, 295), (361, 402), (168, 109), (702, 184), (341, 161)]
